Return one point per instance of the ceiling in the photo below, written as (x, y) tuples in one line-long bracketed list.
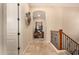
[(54, 4)]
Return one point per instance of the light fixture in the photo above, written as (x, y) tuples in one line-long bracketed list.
[(39, 15)]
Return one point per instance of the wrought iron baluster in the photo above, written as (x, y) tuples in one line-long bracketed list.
[(52, 38), (69, 44), (78, 49), (71, 47), (65, 41), (74, 49), (62, 41)]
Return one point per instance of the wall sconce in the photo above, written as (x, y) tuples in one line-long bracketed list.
[(28, 18)]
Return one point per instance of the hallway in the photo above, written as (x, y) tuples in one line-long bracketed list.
[(40, 48), (23, 25)]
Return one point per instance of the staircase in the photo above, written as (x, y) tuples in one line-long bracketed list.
[(63, 42)]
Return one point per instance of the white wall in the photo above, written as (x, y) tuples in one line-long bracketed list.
[(11, 42), (9, 28)]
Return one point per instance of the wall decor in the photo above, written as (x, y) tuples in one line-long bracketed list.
[(38, 32), (28, 18)]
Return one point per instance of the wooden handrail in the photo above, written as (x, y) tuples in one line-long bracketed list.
[(70, 38), (54, 31)]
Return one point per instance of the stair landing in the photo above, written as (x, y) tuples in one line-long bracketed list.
[(40, 48)]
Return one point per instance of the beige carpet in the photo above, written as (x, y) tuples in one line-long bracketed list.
[(40, 48)]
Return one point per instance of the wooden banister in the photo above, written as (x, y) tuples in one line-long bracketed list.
[(70, 38), (63, 42), (60, 39)]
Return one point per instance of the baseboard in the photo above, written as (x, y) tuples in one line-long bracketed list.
[(54, 47)]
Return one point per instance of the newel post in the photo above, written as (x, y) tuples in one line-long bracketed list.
[(60, 39)]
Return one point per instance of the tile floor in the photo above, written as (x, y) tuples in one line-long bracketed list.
[(40, 48)]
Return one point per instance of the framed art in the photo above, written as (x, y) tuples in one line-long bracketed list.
[(38, 31)]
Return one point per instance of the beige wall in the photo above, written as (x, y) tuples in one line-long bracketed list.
[(24, 29), (53, 18), (71, 22), (65, 18), (1, 29), (61, 17), (57, 17), (4, 28)]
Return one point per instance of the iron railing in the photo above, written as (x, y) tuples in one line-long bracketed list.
[(54, 38), (63, 42)]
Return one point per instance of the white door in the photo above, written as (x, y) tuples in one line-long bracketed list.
[(12, 29)]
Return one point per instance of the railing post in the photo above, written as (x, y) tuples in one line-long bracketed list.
[(60, 39)]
